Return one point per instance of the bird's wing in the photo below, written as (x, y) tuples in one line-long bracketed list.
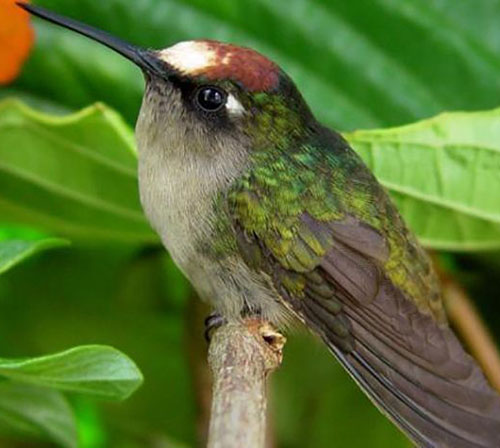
[(368, 291)]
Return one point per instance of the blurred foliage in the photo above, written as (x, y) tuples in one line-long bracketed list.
[(362, 64)]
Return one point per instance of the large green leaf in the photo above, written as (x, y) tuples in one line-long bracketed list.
[(363, 63), (18, 243), (444, 174), (73, 175), (13, 251), (99, 371), (29, 409)]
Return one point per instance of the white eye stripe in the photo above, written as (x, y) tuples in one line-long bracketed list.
[(233, 106)]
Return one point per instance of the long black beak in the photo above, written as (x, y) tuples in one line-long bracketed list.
[(145, 59)]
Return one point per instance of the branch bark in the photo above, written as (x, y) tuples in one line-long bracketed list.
[(241, 357)]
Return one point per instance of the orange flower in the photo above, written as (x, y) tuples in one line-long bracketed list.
[(16, 39)]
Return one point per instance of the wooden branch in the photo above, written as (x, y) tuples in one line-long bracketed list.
[(241, 356)]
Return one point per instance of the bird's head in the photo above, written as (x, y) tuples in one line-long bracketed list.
[(213, 89), (202, 91)]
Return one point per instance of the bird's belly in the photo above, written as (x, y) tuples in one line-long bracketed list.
[(226, 282), (180, 229), (183, 216)]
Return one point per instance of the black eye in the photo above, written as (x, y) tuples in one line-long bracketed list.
[(211, 99)]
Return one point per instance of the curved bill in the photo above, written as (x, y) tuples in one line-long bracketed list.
[(145, 59)]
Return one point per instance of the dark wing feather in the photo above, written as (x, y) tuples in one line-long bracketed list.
[(411, 366)]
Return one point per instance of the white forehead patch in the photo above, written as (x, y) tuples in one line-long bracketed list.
[(233, 106), (189, 57)]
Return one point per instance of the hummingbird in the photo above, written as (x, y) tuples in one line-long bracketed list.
[(270, 213)]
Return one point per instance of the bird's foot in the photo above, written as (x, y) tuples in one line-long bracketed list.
[(213, 321)]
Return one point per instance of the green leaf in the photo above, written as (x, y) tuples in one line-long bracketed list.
[(40, 412), (116, 295), (364, 63), (100, 371), (14, 251), (73, 175), (444, 174)]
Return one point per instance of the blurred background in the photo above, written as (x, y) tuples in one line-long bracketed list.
[(360, 64)]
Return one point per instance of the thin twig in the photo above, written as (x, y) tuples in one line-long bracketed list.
[(241, 356), (464, 316)]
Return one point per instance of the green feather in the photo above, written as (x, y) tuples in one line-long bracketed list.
[(329, 184)]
